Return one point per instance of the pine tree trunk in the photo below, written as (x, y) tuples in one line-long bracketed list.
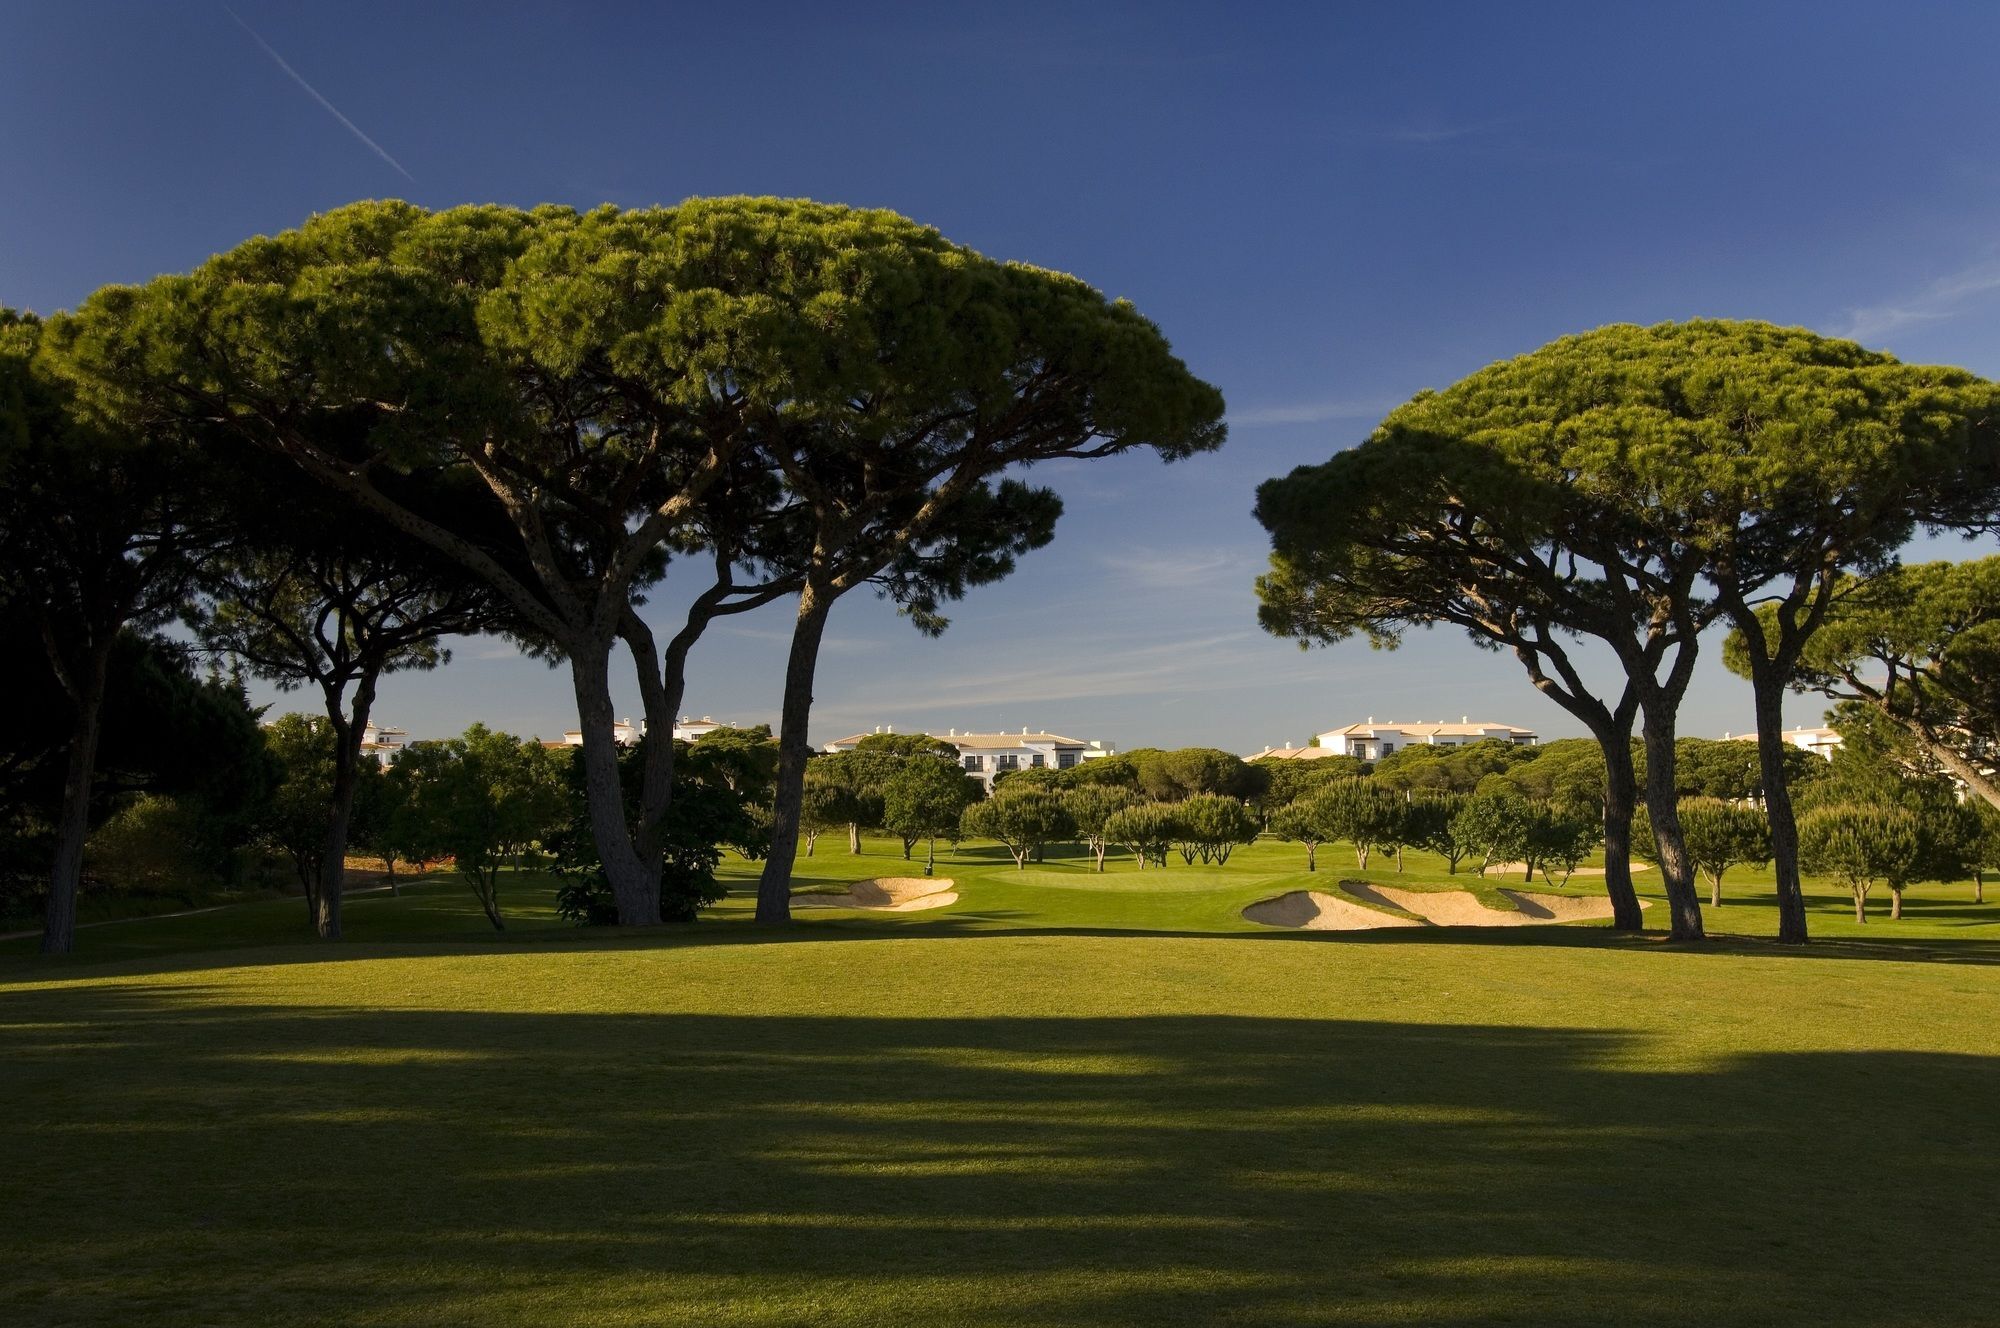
[(1978, 888), (1663, 810), (1860, 904), (73, 823), (930, 857), (854, 839), (1715, 890), (1768, 689), (635, 883), (1312, 857), (1620, 791), (774, 886), (347, 734), (1895, 904)]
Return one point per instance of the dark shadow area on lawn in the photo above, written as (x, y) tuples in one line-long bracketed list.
[(190, 1162)]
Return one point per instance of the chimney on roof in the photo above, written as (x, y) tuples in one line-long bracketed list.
[(891, 728), (954, 733), (1024, 730), (1465, 719), (1371, 719)]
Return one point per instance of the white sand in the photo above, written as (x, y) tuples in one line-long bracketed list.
[(1561, 908), (1521, 868), (1443, 908), (1315, 910), (887, 894), (1461, 908)]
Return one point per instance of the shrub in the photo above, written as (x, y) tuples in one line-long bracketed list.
[(151, 844)]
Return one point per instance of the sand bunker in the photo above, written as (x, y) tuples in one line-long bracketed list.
[(1561, 908), (1312, 910), (1461, 908), (1315, 910), (887, 894), (1521, 869)]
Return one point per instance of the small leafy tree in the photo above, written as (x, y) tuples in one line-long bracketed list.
[(925, 799), (483, 799), (1302, 821), (1428, 823), (861, 775), (1023, 823), (1719, 835), (1494, 825), (1148, 829), (1211, 826), (382, 821), (294, 822), (1090, 807), (1985, 851), (1858, 846), (1559, 836), (1360, 812)]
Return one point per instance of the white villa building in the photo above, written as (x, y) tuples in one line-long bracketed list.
[(985, 755), (381, 743), (1372, 741), (1821, 742), (625, 733)]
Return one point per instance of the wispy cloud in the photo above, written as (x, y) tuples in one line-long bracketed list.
[(1947, 297), (1180, 569), (317, 96), (831, 645), (1309, 412), (1427, 133)]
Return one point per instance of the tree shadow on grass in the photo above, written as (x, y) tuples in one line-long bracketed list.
[(186, 1161)]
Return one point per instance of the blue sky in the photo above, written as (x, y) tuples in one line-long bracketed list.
[(1327, 207)]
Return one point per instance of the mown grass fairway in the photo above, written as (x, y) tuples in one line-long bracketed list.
[(1065, 1100)]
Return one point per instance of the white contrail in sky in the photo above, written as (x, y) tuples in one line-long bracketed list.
[(314, 93)]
